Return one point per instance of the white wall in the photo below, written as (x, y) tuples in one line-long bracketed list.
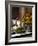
[(37, 22), (2, 24)]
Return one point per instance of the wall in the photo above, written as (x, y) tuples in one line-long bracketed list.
[(37, 22)]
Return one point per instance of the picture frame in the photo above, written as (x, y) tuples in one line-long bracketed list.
[(10, 6)]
